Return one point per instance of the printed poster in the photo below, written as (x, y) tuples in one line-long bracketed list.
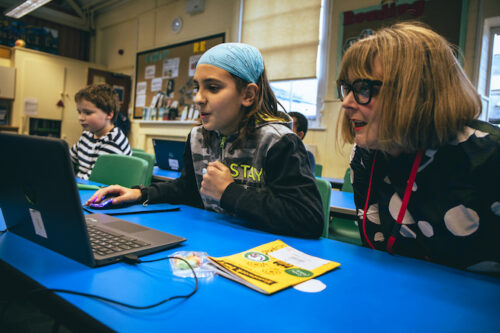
[(141, 88), (30, 106), (193, 61), (156, 84), (150, 71), (171, 68), (140, 101)]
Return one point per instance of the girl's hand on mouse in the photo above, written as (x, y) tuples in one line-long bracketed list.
[(215, 180), (123, 195)]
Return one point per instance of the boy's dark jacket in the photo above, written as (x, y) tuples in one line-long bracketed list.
[(274, 187)]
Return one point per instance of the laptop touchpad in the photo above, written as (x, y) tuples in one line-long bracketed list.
[(126, 227)]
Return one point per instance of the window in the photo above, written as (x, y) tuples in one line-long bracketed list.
[(297, 95), (292, 37), (493, 109)]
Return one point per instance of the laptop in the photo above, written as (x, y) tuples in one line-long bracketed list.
[(169, 154), (39, 200)]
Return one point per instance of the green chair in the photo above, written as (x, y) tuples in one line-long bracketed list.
[(150, 158), (137, 149), (325, 189), (345, 230), (123, 170), (347, 186), (318, 170)]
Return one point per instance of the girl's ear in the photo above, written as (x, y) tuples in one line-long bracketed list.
[(249, 94)]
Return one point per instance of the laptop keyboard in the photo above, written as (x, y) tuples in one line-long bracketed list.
[(105, 243)]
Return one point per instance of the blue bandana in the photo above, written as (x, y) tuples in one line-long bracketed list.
[(242, 60)]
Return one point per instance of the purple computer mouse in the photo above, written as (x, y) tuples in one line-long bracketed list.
[(106, 202)]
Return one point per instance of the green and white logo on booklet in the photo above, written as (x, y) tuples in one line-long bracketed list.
[(256, 256)]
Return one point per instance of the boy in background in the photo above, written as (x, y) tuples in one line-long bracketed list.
[(97, 111), (300, 128)]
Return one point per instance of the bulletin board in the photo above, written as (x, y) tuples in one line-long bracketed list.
[(167, 72)]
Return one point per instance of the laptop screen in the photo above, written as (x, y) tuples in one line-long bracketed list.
[(39, 197), (169, 154), (39, 200)]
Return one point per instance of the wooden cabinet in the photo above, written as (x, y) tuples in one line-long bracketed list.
[(51, 82), (7, 82)]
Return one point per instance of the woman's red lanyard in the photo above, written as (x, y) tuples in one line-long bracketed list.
[(404, 205)]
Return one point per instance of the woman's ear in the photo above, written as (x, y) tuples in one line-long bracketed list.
[(249, 94)]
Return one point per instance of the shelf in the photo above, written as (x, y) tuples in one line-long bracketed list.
[(167, 122), (7, 128)]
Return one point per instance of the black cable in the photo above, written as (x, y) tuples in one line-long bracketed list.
[(129, 259)]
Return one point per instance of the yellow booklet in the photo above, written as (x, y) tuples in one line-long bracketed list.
[(271, 267)]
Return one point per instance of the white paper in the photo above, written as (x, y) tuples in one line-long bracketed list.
[(141, 88), (36, 218), (297, 258), (310, 286), (173, 163), (193, 60), (171, 68), (154, 100), (156, 84), (149, 72), (184, 114), (30, 106), (140, 101)]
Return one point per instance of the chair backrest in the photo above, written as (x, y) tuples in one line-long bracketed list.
[(150, 158), (318, 170), (137, 149), (344, 229), (347, 187), (325, 189), (123, 170)]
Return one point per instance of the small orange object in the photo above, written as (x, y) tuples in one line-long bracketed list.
[(20, 43)]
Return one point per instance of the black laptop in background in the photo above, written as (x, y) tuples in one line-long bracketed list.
[(39, 200), (169, 154)]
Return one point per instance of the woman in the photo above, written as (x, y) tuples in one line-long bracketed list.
[(425, 171)]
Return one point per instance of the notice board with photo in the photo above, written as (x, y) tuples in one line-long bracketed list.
[(169, 71)]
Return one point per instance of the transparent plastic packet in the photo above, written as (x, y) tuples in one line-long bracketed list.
[(196, 259)]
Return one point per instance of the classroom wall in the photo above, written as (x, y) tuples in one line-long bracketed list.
[(141, 25), (49, 79)]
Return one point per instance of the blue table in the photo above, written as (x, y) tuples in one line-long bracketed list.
[(342, 202), (372, 291), (162, 175)]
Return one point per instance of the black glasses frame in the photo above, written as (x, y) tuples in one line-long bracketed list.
[(350, 87)]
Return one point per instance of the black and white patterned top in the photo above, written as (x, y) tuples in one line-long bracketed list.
[(453, 216), (85, 152)]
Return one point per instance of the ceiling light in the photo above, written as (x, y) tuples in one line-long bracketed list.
[(24, 8)]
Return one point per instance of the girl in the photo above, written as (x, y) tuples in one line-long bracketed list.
[(425, 172), (243, 159)]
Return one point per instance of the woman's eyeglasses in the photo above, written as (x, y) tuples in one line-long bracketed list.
[(363, 90)]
